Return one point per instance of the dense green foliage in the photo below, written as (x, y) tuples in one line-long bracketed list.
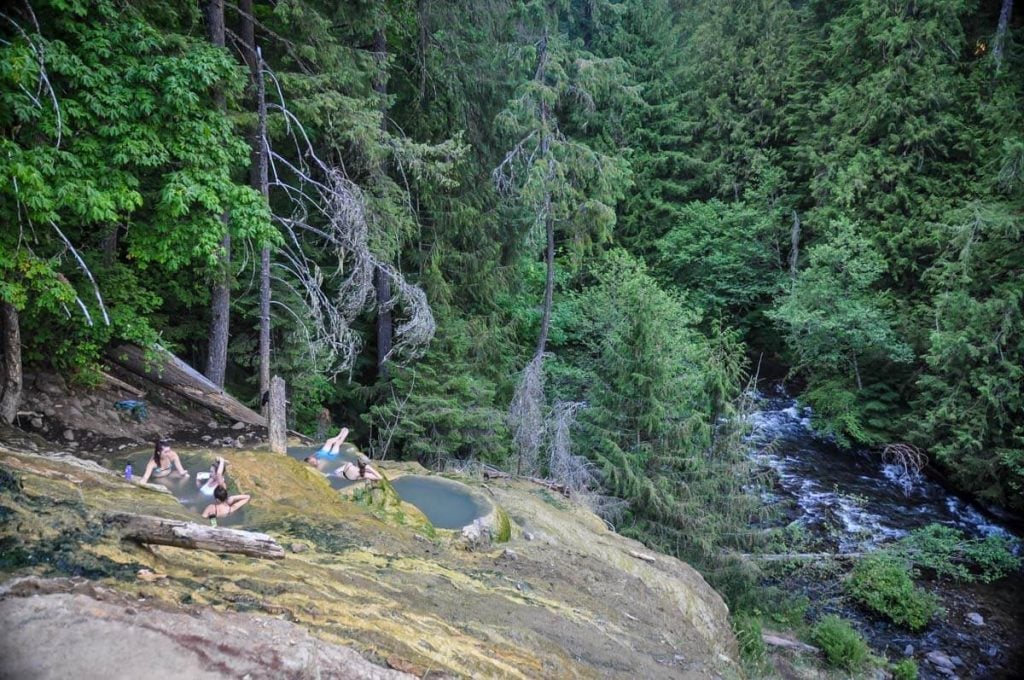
[(945, 551), (884, 585), (837, 184)]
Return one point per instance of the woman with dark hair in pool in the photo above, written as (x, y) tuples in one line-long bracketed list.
[(361, 469), (209, 481), (160, 465), (223, 504)]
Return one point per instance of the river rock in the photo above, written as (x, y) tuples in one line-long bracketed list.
[(69, 435), (238, 426), (52, 384), (37, 423), (976, 618), (939, 659), (212, 425)]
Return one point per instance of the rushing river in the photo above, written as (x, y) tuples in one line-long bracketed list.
[(850, 501)]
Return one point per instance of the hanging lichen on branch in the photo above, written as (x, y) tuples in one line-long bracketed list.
[(330, 220)]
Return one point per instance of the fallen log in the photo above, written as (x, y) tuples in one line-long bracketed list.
[(784, 557), (786, 642), (641, 556), (122, 385), (168, 371), (494, 473), (161, 531)]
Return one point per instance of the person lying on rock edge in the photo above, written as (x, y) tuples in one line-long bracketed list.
[(359, 470)]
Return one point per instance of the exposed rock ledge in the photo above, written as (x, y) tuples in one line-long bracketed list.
[(156, 641)]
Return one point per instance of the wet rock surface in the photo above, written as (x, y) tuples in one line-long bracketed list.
[(374, 576)]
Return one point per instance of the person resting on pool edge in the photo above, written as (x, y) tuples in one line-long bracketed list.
[(223, 504), (359, 470)]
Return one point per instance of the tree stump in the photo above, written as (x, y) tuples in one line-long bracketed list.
[(276, 417)]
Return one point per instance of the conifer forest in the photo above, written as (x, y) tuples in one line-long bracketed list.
[(567, 239)]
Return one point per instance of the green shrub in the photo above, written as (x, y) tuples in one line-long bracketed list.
[(883, 584), (748, 634), (843, 646), (948, 552), (905, 670)]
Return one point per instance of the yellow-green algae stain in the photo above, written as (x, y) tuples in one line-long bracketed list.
[(571, 603)]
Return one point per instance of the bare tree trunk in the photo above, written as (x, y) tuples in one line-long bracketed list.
[(10, 391), (549, 283), (549, 224), (220, 302), (794, 245), (109, 245), (525, 411), (277, 417), (259, 179), (423, 18), (385, 322), (1004, 23)]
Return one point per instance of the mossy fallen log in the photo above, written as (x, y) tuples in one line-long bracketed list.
[(162, 531)]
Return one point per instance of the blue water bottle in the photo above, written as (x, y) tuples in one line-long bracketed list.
[(128, 471)]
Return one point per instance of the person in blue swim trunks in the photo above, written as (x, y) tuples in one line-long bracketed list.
[(329, 451)]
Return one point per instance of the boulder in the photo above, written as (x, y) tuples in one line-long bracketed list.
[(52, 384), (939, 659)]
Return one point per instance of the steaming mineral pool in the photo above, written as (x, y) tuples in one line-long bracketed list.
[(447, 504), (850, 501), (185, 489)]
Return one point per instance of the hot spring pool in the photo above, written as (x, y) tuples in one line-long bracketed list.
[(184, 489), (447, 504)]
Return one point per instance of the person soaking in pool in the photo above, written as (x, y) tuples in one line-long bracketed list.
[(329, 451), (163, 460), (332, 446), (209, 481), (359, 470), (223, 504)]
